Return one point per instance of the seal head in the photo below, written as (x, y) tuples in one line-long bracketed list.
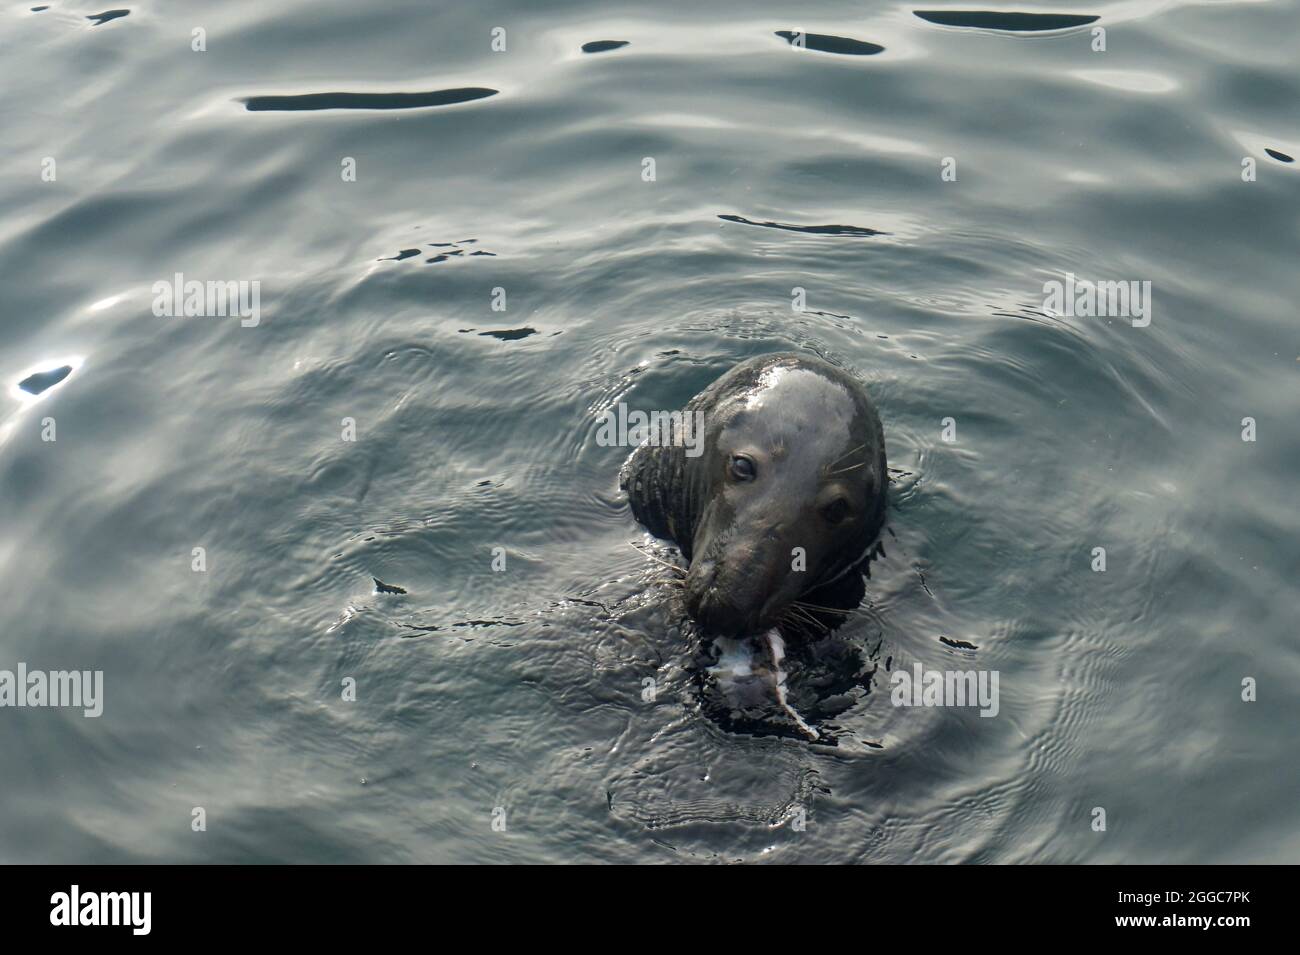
[(785, 500)]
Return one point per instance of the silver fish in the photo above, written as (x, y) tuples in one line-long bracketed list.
[(744, 679)]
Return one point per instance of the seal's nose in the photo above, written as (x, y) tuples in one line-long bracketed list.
[(713, 604), (737, 585), (718, 616)]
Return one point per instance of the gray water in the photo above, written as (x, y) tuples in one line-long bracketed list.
[(519, 692)]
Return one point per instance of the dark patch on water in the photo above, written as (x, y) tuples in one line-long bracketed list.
[(811, 229), (957, 644), (451, 249), (384, 588), (1279, 156), (317, 101), (102, 18), (510, 334), (44, 380), (601, 46), (462, 625), (39, 9), (1004, 20), (825, 43)]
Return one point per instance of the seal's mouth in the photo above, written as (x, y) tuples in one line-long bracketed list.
[(745, 586), (712, 601), (714, 607), (718, 610), (712, 610)]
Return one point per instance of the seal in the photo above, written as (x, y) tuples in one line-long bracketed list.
[(779, 512)]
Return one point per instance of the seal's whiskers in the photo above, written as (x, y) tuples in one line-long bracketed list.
[(660, 560), (805, 615), (803, 604), (847, 454), (795, 623)]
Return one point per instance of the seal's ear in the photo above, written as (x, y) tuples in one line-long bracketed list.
[(654, 479)]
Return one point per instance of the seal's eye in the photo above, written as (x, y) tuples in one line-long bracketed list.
[(742, 468), (836, 510)]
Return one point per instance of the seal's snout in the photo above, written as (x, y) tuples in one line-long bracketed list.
[(707, 602), (726, 603), (718, 615), (704, 600)]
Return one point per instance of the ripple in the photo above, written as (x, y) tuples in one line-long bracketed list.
[(40, 378), (1131, 80), (505, 334), (317, 101), (603, 46), (1255, 143), (44, 380), (102, 18), (1005, 20), (825, 43), (446, 252), (810, 229)]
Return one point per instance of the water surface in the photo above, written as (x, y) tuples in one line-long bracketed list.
[(776, 167)]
